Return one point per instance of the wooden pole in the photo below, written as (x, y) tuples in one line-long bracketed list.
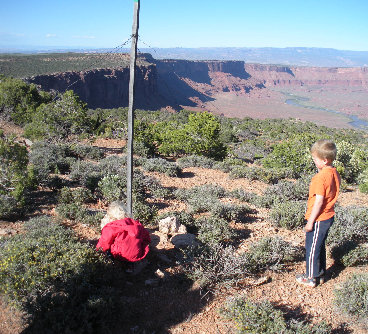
[(133, 57)]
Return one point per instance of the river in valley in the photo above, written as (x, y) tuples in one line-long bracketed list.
[(355, 121)]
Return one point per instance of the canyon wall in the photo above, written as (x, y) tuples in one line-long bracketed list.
[(105, 88), (273, 75), (175, 83)]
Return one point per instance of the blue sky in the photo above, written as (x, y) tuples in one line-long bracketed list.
[(185, 23)]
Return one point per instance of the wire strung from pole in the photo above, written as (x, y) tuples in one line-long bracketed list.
[(150, 47), (99, 58)]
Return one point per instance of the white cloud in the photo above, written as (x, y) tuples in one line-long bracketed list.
[(84, 37), (50, 35)]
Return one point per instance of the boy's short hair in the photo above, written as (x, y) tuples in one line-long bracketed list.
[(325, 149)]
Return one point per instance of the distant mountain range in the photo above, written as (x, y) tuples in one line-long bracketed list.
[(283, 56), (298, 56)]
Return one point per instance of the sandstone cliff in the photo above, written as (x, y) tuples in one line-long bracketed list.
[(175, 83)]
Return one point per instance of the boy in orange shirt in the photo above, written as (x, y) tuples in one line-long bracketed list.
[(323, 192)]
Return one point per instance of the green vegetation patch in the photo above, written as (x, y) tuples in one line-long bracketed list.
[(351, 298), (264, 318), (22, 65)]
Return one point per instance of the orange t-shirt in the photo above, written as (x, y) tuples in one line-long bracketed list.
[(326, 183)]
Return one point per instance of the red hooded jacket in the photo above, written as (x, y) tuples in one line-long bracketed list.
[(126, 239)]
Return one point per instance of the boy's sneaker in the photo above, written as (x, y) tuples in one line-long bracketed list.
[(322, 279), (303, 279)]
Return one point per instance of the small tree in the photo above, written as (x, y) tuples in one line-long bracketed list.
[(19, 100), (67, 116), (203, 131), (15, 177)]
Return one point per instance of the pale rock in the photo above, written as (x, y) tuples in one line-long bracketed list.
[(28, 142), (160, 274), (183, 240), (262, 280), (170, 225), (159, 240)]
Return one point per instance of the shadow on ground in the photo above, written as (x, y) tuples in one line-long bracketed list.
[(117, 302)]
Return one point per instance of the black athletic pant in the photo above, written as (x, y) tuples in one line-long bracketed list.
[(315, 246)]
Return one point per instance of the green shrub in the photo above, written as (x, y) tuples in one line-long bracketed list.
[(363, 181), (350, 225), (19, 100), (203, 131), (112, 188), (62, 285), (214, 230), (161, 165), (355, 257), (214, 264), (363, 188), (293, 154), (251, 150), (242, 195), (145, 213), (77, 195), (230, 212), (255, 318), (45, 255), (170, 137), (195, 161), (199, 136), (144, 138), (352, 298), (60, 119), (155, 189), (271, 253), (86, 173), (359, 162), (288, 214), (16, 177), (87, 152), (263, 318), (201, 198)]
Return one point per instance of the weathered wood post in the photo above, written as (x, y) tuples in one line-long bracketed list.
[(133, 57)]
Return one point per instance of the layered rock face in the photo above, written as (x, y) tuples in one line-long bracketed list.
[(105, 88), (272, 75), (177, 83)]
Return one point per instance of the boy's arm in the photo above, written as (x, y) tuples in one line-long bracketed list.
[(315, 212)]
